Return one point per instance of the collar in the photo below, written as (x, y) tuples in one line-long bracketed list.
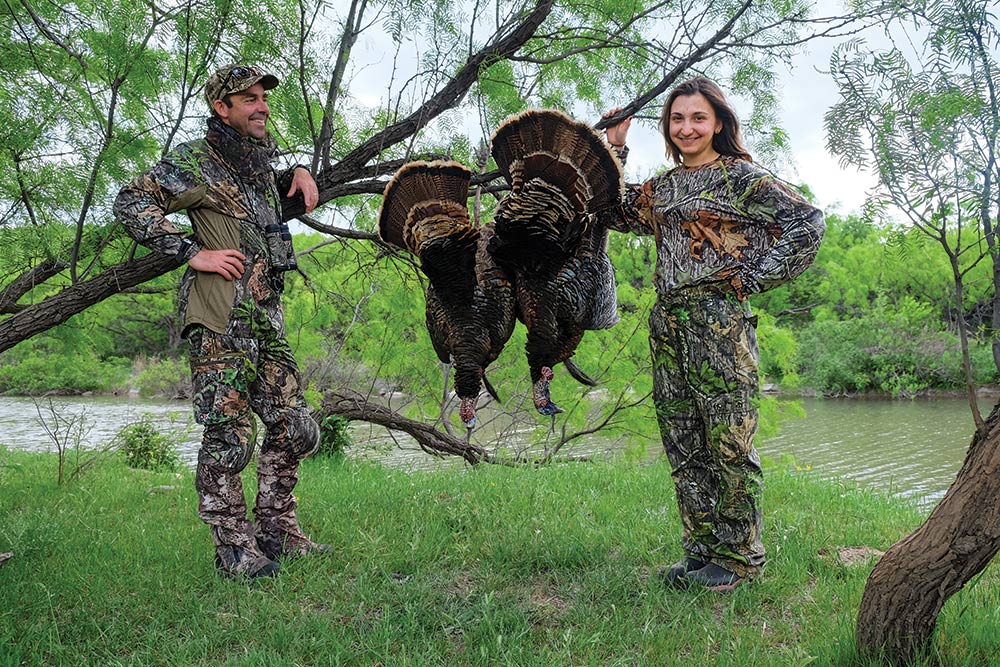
[(248, 156)]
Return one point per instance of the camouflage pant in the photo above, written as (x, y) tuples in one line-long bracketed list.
[(705, 359), (233, 379)]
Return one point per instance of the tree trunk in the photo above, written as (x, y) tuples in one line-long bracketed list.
[(911, 583), (995, 322)]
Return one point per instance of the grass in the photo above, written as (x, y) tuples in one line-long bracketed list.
[(492, 566)]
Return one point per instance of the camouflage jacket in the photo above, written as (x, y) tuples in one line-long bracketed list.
[(229, 190), (728, 223)]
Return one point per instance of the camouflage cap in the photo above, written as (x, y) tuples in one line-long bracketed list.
[(234, 78)]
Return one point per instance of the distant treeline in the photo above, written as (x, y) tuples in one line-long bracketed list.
[(873, 314)]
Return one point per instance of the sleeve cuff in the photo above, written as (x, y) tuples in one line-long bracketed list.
[(186, 250)]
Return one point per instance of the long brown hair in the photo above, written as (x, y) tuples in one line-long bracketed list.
[(728, 141)]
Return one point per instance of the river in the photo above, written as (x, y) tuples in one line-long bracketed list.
[(912, 448)]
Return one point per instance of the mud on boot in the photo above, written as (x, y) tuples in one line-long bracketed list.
[(235, 562)]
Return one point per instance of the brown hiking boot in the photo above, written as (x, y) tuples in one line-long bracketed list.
[(236, 562)]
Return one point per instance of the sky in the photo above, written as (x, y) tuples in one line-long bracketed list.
[(807, 93)]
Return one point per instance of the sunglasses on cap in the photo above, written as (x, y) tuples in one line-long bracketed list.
[(237, 73)]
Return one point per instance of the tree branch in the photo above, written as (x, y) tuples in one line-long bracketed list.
[(27, 281), (681, 67), (44, 28), (78, 297), (441, 101)]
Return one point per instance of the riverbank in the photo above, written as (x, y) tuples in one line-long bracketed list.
[(493, 566), (910, 448)]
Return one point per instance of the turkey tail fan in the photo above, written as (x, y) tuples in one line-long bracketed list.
[(425, 201), (578, 374), (564, 152)]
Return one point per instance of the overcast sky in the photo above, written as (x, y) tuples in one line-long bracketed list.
[(807, 94)]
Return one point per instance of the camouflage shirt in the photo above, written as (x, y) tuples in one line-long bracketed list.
[(728, 221), (228, 188)]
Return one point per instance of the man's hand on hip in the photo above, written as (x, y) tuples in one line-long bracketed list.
[(227, 263)]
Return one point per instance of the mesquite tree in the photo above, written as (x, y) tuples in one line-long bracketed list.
[(928, 121), (92, 94)]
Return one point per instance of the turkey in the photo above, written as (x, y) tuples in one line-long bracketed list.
[(470, 301), (561, 172)]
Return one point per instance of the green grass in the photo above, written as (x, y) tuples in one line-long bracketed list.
[(492, 566)]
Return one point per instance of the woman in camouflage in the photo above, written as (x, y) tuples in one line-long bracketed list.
[(725, 229)]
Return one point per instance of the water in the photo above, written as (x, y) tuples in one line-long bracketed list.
[(912, 448), (93, 421)]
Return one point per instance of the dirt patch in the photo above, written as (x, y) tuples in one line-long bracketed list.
[(852, 555), (545, 599), (460, 585)]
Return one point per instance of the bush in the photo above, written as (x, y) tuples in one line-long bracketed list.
[(334, 436), (895, 348), (778, 350), (168, 377), (38, 368), (146, 447)]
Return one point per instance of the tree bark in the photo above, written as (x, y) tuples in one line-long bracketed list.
[(27, 281), (912, 582), (356, 407), (76, 298)]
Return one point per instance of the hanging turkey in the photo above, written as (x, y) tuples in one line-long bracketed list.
[(470, 302), (561, 172)]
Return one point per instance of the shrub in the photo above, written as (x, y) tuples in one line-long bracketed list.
[(41, 368), (334, 436), (896, 348), (145, 446), (778, 350), (167, 377)]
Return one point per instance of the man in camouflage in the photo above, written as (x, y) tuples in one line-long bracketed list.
[(230, 300)]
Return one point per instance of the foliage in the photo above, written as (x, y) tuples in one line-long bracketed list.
[(875, 313), (162, 377), (334, 437), (778, 348), (891, 348), (145, 446), (927, 119), (772, 413), (63, 363)]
